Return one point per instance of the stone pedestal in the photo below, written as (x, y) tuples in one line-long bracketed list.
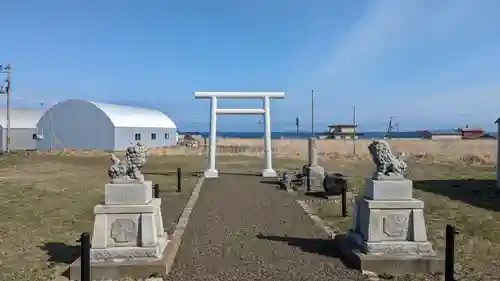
[(128, 229), (269, 173), (123, 193), (211, 173), (389, 233)]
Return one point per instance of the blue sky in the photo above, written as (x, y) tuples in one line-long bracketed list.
[(431, 64)]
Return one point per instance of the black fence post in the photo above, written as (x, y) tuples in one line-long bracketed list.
[(179, 179), (344, 201), (156, 190), (449, 267), (84, 256), (308, 179)]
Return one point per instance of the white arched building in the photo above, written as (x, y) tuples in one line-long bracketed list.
[(80, 124), (22, 128)]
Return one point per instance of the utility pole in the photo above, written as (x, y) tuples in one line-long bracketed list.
[(40, 133), (312, 113), (7, 91), (51, 136), (297, 125), (354, 131), (389, 128)]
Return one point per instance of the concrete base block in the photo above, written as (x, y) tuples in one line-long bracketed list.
[(269, 173), (388, 189), (394, 264), (128, 193), (124, 227), (380, 220), (118, 254), (112, 270), (399, 248), (211, 173), (389, 233)]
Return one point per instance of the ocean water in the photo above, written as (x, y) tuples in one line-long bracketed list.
[(304, 135)]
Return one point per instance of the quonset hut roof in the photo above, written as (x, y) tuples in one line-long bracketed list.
[(129, 116), (21, 118)]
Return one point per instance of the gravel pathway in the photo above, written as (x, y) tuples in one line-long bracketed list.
[(242, 229)]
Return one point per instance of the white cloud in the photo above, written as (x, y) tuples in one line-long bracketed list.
[(447, 90), (371, 36), (389, 26)]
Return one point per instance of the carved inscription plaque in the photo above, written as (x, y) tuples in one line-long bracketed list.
[(395, 225), (124, 230)]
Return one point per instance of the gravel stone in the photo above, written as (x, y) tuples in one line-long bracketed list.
[(241, 229)]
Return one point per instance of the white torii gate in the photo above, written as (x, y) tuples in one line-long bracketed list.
[(268, 171)]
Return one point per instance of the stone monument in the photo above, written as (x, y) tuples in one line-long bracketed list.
[(128, 236), (388, 234), (316, 172)]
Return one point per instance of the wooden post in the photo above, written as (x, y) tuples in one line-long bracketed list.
[(449, 267), (344, 200), (179, 179), (84, 256), (156, 189)]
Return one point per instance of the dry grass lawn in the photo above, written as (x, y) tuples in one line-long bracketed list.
[(47, 202), (464, 196), (479, 151)]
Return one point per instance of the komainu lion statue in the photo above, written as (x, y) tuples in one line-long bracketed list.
[(388, 165), (129, 168)]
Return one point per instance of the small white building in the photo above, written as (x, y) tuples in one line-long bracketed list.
[(81, 124), (22, 128)]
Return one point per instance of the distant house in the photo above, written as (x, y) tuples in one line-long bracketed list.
[(471, 133), (463, 133), (451, 135), (341, 132)]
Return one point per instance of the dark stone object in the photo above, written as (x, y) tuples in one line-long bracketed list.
[(333, 183)]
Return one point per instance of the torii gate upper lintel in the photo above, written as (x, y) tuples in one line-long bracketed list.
[(268, 171)]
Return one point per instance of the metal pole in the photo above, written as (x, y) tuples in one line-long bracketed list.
[(312, 113), (51, 138), (297, 125), (354, 132), (9, 67)]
